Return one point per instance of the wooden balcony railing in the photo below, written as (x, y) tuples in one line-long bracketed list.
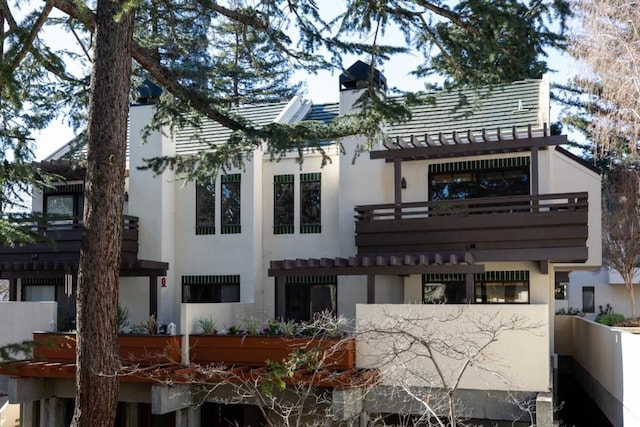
[(61, 240), (544, 227)]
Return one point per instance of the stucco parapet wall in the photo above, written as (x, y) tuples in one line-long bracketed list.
[(610, 357), (498, 347)]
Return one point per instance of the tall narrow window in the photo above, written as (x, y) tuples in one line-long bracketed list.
[(310, 197), (230, 204), (283, 200), (589, 299), (205, 208)]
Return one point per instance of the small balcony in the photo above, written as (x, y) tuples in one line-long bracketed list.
[(537, 228), (60, 244)]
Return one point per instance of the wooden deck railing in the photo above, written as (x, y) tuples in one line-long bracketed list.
[(465, 207), (61, 239), (545, 227)]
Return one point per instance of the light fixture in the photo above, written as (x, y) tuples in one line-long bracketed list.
[(403, 183)]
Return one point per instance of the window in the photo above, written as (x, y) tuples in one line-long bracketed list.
[(491, 287), (588, 299), (283, 202), (230, 204), (561, 284), (443, 289), (502, 287), (306, 296), (479, 178), (310, 199), (215, 289), (64, 200), (205, 208)]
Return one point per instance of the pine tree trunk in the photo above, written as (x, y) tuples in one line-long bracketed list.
[(97, 357)]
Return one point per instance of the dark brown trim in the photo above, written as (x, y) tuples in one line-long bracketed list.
[(153, 296), (13, 289), (371, 289), (280, 298), (459, 148), (382, 264)]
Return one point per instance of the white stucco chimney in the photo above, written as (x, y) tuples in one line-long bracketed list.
[(354, 80)]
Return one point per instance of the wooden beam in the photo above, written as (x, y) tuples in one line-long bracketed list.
[(456, 150)]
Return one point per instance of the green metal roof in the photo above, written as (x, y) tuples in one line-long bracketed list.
[(189, 141), (516, 104)]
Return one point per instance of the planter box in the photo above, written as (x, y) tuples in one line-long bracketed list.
[(140, 349), (247, 350)]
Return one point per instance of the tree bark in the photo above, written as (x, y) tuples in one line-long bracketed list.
[(97, 301)]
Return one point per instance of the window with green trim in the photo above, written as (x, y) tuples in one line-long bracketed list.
[(491, 287), (211, 288), (283, 204), (444, 289), (310, 203), (230, 204), (502, 287), (480, 178), (205, 208)]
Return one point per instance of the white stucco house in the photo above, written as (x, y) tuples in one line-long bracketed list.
[(463, 214)]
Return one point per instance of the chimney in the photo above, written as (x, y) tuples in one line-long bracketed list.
[(354, 80)]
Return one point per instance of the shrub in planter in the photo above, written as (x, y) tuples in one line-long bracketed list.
[(610, 319)]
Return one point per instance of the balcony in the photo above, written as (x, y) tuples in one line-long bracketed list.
[(536, 228), (59, 247)]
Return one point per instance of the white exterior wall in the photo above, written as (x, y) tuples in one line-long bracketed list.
[(152, 199), (560, 174), (517, 360), (610, 357), (608, 287)]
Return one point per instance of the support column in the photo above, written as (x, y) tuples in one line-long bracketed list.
[(153, 296), (29, 414), (371, 289), (397, 186), (13, 289), (280, 297), (469, 288), (544, 410)]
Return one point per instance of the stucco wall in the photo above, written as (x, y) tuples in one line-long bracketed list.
[(18, 319), (608, 288), (609, 356), (516, 360)]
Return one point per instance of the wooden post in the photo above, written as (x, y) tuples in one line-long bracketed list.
[(153, 296), (371, 289), (397, 182), (280, 297)]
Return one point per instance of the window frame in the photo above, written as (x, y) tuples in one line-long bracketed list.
[(585, 307), (205, 227), (233, 183), (475, 169), (280, 208), (307, 225), (216, 284)]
